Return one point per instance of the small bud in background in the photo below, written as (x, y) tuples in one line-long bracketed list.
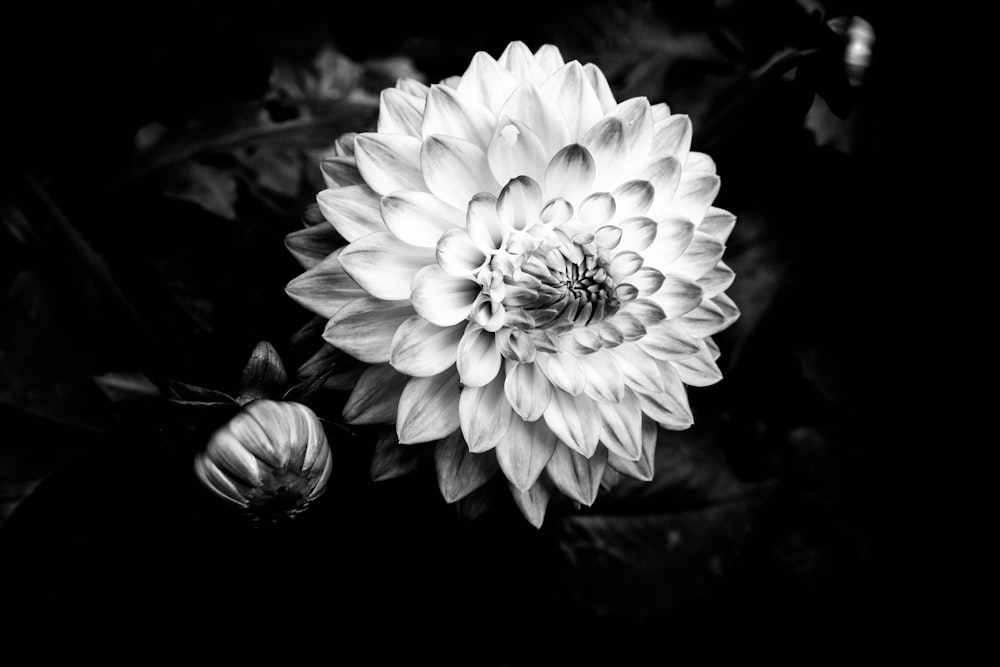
[(264, 375)]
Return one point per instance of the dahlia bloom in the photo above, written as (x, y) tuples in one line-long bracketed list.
[(533, 272)]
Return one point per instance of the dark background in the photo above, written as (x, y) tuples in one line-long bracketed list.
[(774, 527)]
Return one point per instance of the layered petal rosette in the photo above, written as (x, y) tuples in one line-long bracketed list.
[(533, 272)]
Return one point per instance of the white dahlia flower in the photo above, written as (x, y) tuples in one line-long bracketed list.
[(533, 271)]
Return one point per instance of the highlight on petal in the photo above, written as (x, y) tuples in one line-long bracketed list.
[(428, 408), (442, 299), (364, 327), (353, 211), (389, 162), (533, 502), (524, 451), (642, 468), (578, 476), (455, 170), (599, 83), (419, 218), (519, 203), (459, 471), (637, 118), (486, 82), (518, 59), (449, 113), (597, 209), (478, 356), (570, 174), (700, 162), (575, 421), (621, 427), (483, 223), (527, 105), (549, 59), (325, 288), (383, 265), (457, 255), (564, 371), (570, 91), (396, 115), (484, 414), (422, 349), (528, 390), (515, 150), (339, 172), (375, 397), (660, 112), (604, 378)]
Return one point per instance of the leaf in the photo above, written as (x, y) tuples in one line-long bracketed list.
[(212, 189)]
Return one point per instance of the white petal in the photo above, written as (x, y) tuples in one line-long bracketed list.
[(339, 172), (604, 378), (528, 390), (579, 477), (412, 87), (641, 469), (668, 340), (396, 115), (519, 61), (364, 327), (700, 162), (527, 105), (599, 83), (597, 209), (549, 59), (455, 170), (459, 471), (325, 288), (442, 299), (451, 114), (638, 234), (700, 257), (670, 409), (485, 414), (698, 370), (428, 408), (660, 112), (375, 397), (311, 245), (717, 280), (673, 236), (694, 196), (421, 349), (677, 296), (621, 426), (638, 368), (570, 174), (532, 502), (389, 162), (637, 117), (519, 203), (728, 307), (383, 265), (458, 255), (718, 224), (419, 218), (672, 136), (564, 371), (570, 91), (646, 310), (486, 82), (633, 198), (647, 280), (515, 150), (575, 421), (353, 211), (608, 143), (484, 225), (705, 320), (478, 356), (624, 264), (665, 176), (524, 451)]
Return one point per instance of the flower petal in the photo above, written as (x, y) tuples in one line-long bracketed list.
[(389, 162), (705, 320), (419, 218), (694, 196), (596, 209), (527, 105), (621, 427), (673, 236), (700, 162), (700, 257), (353, 211), (458, 256), (570, 91), (339, 172), (638, 234), (375, 397), (459, 471), (518, 59), (484, 414), (519, 203), (641, 469), (396, 115), (668, 340), (670, 409), (515, 150), (564, 371), (665, 176), (677, 296), (325, 288), (383, 265), (428, 408), (593, 74), (633, 198), (442, 299), (718, 224), (528, 390), (639, 369), (660, 112), (604, 378), (578, 476), (647, 280), (309, 246), (549, 59), (575, 420), (451, 114), (637, 117), (422, 349), (390, 460), (364, 327), (717, 280), (484, 225), (672, 136), (455, 170), (624, 264), (570, 174), (478, 356), (700, 369), (524, 451), (486, 82), (608, 144), (533, 502)]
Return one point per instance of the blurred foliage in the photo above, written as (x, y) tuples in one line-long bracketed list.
[(142, 245)]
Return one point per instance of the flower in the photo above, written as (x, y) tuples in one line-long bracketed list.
[(533, 271)]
